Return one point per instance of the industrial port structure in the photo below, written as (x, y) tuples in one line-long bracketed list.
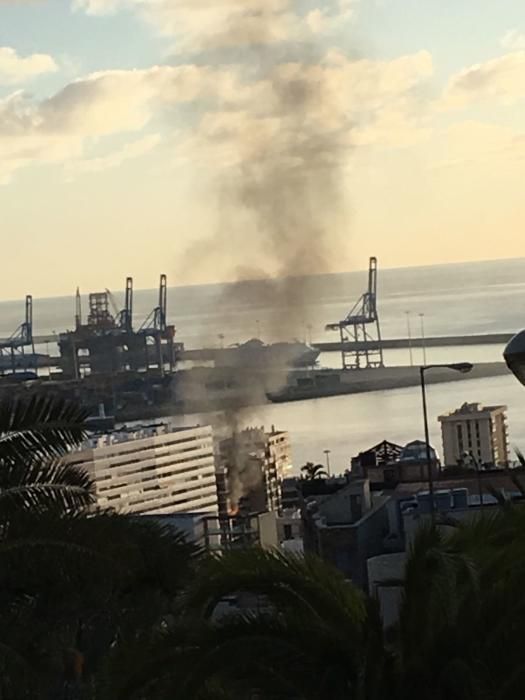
[(104, 362), (13, 349), (107, 343), (359, 331), (132, 372)]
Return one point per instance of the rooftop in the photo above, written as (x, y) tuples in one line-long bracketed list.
[(468, 409), (496, 479), (129, 433), (416, 451)]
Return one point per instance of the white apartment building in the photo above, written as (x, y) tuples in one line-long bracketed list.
[(476, 430), (155, 470)]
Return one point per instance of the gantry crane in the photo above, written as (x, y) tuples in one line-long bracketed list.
[(123, 317), (155, 329), (15, 345), (359, 331)]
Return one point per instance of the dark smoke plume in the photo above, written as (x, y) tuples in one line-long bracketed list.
[(286, 186)]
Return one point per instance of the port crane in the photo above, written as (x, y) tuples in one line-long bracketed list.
[(359, 331), (155, 329), (107, 344), (156, 321), (14, 346), (123, 317)]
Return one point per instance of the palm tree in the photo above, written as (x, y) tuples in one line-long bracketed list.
[(308, 634), (34, 435), (75, 582), (36, 489), (461, 627), (313, 471)]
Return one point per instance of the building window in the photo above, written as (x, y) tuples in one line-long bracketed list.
[(460, 438)]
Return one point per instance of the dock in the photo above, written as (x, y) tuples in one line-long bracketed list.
[(431, 342), (321, 383)]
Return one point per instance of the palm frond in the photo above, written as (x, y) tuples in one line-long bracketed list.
[(307, 583), (39, 428), (515, 478), (43, 486), (17, 678)]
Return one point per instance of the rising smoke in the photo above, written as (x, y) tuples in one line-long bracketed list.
[(284, 182)]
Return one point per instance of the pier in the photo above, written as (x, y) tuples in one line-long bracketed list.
[(431, 342)]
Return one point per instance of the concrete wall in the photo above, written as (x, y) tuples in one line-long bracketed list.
[(347, 505), (383, 573), (348, 547), (268, 530)]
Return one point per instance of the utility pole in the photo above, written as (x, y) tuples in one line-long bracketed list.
[(327, 453), (409, 331), (423, 341)]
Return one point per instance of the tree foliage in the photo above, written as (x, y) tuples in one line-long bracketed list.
[(95, 605), (74, 581), (313, 471)]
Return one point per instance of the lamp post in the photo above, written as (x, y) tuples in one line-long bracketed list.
[(463, 367), (478, 475), (309, 327), (409, 331), (327, 453), (423, 340)]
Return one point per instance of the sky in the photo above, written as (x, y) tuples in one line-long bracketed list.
[(222, 139)]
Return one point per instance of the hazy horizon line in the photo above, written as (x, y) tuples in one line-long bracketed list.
[(226, 283)]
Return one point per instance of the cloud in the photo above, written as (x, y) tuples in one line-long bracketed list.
[(65, 125), (210, 24), (131, 150), (328, 19), (15, 69), (513, 40), (344, 104), (500, 80)]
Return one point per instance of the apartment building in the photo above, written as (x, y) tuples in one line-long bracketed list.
[(152, 469), (253, 463), (476, 432)]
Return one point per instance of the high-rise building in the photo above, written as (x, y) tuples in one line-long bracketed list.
[(253, 464), (153, 470), (475, 432)]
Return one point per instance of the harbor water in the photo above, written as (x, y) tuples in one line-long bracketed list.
[(461, 299)]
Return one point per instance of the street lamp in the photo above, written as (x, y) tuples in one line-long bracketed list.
[(423, 340), (327, 453), (409, 331), (309, 327), (463, 367), (514, 355)]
